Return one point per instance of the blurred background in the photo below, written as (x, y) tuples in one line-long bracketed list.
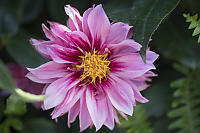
[(174, 94)]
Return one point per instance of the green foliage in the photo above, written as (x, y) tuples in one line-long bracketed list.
[(15, 106), (38, 125), (138, 123), (144, 15), (22, 51), (194, 24), (6, 81), (185, 107)]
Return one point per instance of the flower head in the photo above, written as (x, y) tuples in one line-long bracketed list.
[(95, 69)]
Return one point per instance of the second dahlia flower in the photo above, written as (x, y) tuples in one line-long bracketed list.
[(94, 69)]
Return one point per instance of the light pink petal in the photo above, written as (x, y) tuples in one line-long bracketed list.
[(126, 46), (116, 117), (138, 96), (36, 79), (110, 118), (123, 115), (81, 40), (130, 65), (73, 112), (57, 90), (63, 55), (49, 70), (151, 56), (97, 108), (84, 117), (59, 30), (99, 26), (85, 23), (118, 32), (70, 99), (75, 20), (41, 46), (119, 97)]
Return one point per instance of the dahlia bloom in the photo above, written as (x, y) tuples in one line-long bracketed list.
[(95, 69)]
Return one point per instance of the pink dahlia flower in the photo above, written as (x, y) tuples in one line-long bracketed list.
[(95, 69)]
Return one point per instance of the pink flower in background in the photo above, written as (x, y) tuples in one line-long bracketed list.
[(95, 69)]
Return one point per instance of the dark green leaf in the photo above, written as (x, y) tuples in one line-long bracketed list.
[(31, 10), (6, 81), (21, 50), (15, 106), (15, 123), (38, 125), (145, 16), (10, 13)]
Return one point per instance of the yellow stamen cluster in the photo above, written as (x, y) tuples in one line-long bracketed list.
[(94, 65)]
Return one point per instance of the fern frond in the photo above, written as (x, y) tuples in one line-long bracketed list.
[(186, 105), (194, 24), (138, 123)]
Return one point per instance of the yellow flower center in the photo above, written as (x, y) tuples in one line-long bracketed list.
[(94, 65)]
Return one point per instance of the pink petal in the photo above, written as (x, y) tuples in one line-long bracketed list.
[(84, 117), (119, 99), (126, 46), (59, 30), (138, 96), (41, 46), (36, 79), (63, 55), (57, 90), (110, 118), (49, 70), (97, 109), (70, 99), (99, 26), (151, 56), (81, 40), (118, 32), (73, 112), (85, 23), (116, 117), (130, 65), (75, 20)]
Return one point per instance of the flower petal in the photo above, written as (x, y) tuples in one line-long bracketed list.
[(75, 20), (41, 46), (97, 108), (110, 118), (99, 26), (119, 97), (70, 99), (57, 90), (126, 46), (49, 70), (118, 32), (63, 55), (84, 117), (85, 23), (36, 79), (59, 30), (81, 40), (130, 65), (73, 112)]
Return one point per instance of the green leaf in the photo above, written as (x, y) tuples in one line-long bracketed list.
[(138, 123), (6, 81), (21, 50), (10, 13), (28, 97), (15, 123), (38, 125), (144, 15), (31, 10), (15, 106)]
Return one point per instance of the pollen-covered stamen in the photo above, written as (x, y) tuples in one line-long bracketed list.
[(94, 65)]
